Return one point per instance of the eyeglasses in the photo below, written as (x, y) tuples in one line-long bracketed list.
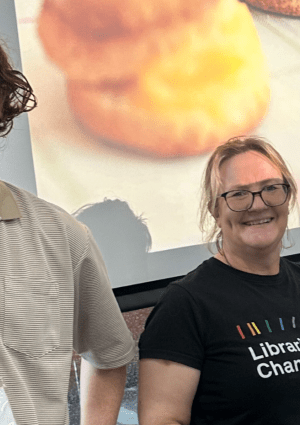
[(242, 200)]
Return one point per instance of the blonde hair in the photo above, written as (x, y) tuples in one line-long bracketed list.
[(211, 179)]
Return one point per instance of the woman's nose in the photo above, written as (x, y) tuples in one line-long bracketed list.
[(258, 203)]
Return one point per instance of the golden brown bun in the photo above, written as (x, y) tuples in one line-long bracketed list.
[(116, 17), (187, 102), (111, 116), (176, 90), (107, 48), (285, 7)]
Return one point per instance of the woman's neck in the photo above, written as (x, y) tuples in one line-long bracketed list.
[(255, 262)]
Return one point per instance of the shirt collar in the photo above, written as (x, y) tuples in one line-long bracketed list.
[(9, 209)]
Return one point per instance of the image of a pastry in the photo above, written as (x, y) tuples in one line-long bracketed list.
[(284, 7), (164, 77)]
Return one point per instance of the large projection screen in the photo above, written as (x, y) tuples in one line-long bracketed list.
[(142, 205)]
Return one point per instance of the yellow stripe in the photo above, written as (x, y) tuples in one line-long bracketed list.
[(256, 328)]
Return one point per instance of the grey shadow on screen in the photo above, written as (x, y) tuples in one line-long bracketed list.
[(123, 238)]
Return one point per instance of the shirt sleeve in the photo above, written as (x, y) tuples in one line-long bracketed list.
[(173, 330), (101, 335)]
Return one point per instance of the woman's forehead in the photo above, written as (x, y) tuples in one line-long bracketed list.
[(247, 168)]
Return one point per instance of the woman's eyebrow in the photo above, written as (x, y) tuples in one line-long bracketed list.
[(261, 182)]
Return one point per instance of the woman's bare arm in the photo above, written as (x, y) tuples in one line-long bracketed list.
[(166, 392)]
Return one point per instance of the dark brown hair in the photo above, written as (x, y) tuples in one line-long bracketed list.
[(16, 94)]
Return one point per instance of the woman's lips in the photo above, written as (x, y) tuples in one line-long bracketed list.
[(258, 221)]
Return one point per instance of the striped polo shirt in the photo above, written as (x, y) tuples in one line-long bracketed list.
[(55, 296)]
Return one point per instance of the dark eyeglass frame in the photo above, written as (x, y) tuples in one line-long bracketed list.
[(259, 192)]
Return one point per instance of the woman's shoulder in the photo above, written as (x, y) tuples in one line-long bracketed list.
[(291, 263), (208, 271), (199, 281)]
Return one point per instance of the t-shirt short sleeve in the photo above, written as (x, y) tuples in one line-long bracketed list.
[(173, 329), (101, 335)]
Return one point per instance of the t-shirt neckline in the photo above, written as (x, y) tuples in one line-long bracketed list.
[(251, 277)]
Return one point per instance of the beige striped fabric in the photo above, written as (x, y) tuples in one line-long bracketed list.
[(54, 296)]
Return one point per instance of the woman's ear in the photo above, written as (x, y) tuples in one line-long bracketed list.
[(216, 216), (214, 211), (288, 201), (218, 221)]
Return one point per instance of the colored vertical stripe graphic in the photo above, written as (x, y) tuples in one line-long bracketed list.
[(294, 322), (255, 327), (240, 331), (251, 330), (281, 324), (268, 326)]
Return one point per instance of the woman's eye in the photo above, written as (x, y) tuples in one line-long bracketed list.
[(270, 188), (238, 194)]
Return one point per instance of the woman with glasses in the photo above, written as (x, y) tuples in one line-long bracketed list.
[(222, 346)]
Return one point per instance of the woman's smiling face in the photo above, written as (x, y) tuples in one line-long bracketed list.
[(261, 227)]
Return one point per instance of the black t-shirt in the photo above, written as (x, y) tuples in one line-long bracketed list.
[(242, 331)]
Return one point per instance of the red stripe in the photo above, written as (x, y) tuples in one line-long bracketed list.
[(240, 331)]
